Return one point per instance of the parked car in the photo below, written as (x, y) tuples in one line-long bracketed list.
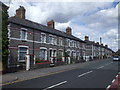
[(116, 58)]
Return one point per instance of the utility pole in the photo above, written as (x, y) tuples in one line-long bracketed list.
[(100, 48), (10, 2)]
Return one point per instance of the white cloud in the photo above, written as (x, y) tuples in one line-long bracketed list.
[(99, 22), (113, 33), (62, 26)]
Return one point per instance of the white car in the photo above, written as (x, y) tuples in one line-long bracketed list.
[(116, 58)]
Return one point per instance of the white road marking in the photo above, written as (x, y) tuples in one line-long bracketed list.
[(113, 80), (116, 76), (108, 86), (100, 67), (55, 85), (108, 63), (105, 65), (84, 74)]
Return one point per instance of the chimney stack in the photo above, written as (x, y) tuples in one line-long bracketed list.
[(86, 38), (51, 24), (97, 42), (69, 30), (106, 46), (20, 12)]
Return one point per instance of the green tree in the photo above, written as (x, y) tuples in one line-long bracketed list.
[(5, 40), (117, 53)]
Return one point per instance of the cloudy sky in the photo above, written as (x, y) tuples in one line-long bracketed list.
[(95, 18)]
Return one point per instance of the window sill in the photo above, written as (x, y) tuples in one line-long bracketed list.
[(23, 40), (22, 61)]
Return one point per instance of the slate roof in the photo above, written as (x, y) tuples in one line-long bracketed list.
[(30, 24), (93, 43), (43, 28), (3, 5)]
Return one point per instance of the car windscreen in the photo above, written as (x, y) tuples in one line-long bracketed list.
[(115, 57)]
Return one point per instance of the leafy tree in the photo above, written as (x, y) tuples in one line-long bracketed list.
[(5, 40), (118, 52)]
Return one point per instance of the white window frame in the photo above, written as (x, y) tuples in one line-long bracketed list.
[(23, 29), (49, 39), (9, 31), (61, 51), (60, 41), (44, 38), (45, 52), (68, 42), (74, 43), (19, 51), (55, 40)]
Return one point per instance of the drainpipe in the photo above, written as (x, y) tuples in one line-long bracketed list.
[(33, 45)]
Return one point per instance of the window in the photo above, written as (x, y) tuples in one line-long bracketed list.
[(60, 41), (50, 53), (77, 45), (43, 53), (60, 54), (71, 43), (74, 43), (22, 53), (52, 40), (23, 35), (68, 42), (43, 38)]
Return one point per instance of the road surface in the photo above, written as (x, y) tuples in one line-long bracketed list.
[(98, 74)]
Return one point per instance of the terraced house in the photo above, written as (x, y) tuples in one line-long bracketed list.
[(96, 50), (45, 45)]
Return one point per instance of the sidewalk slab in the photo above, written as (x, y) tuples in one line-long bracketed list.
[(8, 78)]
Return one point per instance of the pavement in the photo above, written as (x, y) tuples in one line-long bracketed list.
[(27, 75)]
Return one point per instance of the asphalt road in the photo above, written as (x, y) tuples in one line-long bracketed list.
[(94, 75)]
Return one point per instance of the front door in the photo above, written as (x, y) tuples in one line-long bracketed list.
[(54, 56), (50, 56)]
